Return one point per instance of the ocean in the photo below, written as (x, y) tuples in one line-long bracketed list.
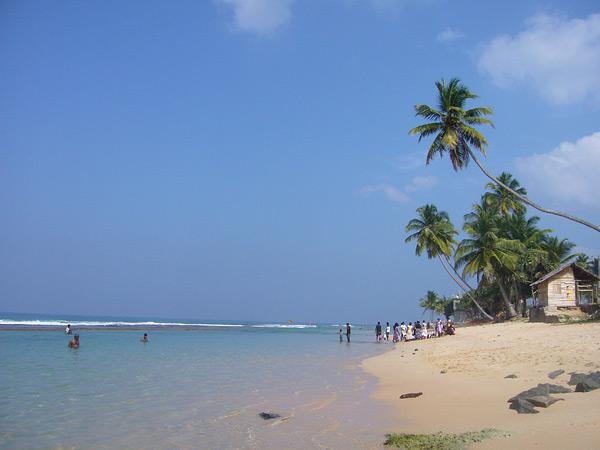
[(194, 385)]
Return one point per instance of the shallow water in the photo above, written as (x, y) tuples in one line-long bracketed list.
[(199, 388)]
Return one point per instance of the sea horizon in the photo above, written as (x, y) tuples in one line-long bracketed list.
[(52, 321)]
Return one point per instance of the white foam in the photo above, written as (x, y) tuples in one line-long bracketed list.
[(62, 323)]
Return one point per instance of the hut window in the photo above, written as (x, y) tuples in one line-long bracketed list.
[(557, 289)]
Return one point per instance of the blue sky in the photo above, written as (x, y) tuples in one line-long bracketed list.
[(250, 159)]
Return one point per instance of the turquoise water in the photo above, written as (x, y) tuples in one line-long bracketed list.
[(194, 385)]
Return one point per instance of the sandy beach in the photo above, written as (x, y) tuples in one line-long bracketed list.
[(464, 388)]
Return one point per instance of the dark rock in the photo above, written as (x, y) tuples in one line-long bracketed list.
[(268, 416), (595, 376), (511, 376), (543, 401), (583, 387), (553, 375), (540, 390), (523, 407), (411, 395), (590, 383), (576, 378), (556, 389)]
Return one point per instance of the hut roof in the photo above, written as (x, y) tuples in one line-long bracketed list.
[(580, 273)]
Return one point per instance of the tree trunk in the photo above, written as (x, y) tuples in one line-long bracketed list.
[(520, 298), (510, 308), (466, 290), (529, 202)]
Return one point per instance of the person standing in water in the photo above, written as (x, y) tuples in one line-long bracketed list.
[(74, 343), (348, 331), (68, 329), (378, 331), (145, 338)]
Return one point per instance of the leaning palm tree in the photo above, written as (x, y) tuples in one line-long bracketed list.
[(454, 134), (434, 234)]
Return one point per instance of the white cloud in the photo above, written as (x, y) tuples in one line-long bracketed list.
[(568, 173), (390, 192), (409, 161), (558, 58), (450, 35), (422, 183), (397, 195), (260, 16)]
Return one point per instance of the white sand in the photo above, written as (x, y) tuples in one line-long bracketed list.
[(472, 394)]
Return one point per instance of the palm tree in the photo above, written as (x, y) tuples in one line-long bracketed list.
[(502, 200), (487, 254), (431, 302), (559, 251), (454, 134), (532, 262), (584, 261), (434, 234)]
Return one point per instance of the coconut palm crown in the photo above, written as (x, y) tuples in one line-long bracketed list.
[(433, 232), (452, 125)]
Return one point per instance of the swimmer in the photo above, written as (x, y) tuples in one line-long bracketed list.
[(145, 338)]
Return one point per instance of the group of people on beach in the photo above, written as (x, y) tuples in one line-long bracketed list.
[(410, 332), (74, 343)]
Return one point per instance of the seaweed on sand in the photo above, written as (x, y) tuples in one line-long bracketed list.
[(441, 441)]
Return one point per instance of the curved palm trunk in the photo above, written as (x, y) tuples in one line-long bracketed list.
[(529, 202), (510, 308), (466, 290), (464, 282)]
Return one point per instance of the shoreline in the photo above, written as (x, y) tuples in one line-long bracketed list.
[(464, 387)]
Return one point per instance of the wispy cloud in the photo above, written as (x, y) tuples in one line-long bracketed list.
[(390, 192), (260, 16), (409, 161), (422, 183), (568, 173), (398, 195), (558, 58), (450, 35)]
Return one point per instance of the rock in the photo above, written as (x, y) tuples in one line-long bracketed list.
[(411, 395), (556, 389), (595, 376), (523, 407), (590, 383), (553, 375), (540, 390), (576, 378), (268, 416), (583, 387), (512, 375), (543, 401)]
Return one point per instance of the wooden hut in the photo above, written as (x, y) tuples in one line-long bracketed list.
[(569, 286)]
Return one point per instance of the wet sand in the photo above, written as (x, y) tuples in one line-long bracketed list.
[(464, 388)]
